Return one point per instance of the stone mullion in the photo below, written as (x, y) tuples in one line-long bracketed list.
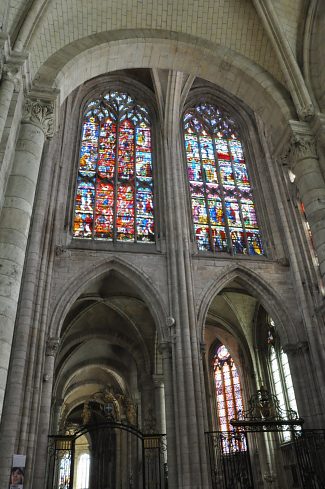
[(191, 449), (14, 228)]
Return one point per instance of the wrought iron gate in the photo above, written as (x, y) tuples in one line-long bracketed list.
[(120, 457), (229, 460), (267, 448)]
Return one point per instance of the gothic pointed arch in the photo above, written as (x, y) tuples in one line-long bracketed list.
[(133, 275), (256, 286)]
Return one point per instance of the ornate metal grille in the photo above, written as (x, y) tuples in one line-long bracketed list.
[(115, 447)]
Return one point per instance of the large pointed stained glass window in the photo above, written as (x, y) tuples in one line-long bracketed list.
[(223, 209), (114, 196)]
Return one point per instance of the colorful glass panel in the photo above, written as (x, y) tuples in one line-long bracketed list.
[(228, 389), (220, 189), (114, 195)]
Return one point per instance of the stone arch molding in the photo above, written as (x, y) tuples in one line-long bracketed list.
[(106, 52), (137, 277), (259, 288)]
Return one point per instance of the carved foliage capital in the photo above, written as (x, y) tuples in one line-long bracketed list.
[(52, 345), (40, 113), (302, 146)]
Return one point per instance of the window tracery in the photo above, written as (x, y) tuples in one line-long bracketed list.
[(114, 196), (223, 208)]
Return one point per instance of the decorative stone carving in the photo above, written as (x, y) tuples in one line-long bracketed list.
[(306, 112), (40, 113), (170, 321), (52, 346), (302, 146)]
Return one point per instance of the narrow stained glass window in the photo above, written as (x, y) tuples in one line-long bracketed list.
[(228, 389), (281, 377), (114, 196), (222, 202)]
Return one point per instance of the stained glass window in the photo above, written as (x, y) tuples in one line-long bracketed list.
[(223, 209), (228, 388), (114, 196)]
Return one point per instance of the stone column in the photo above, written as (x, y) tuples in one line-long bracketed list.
[(160, 403), (10, 77), (39, 463), (309, 179), (37, 122)]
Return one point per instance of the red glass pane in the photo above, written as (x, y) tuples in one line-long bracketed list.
[(125, 213)]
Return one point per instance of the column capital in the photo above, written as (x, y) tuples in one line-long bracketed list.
[(302, 146), (41, 113), (52, 345), (165, 347), (158, 380), (297, 143)]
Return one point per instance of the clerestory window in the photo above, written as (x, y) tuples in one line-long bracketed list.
[(114, 194), (223, 207), (281, 379)]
